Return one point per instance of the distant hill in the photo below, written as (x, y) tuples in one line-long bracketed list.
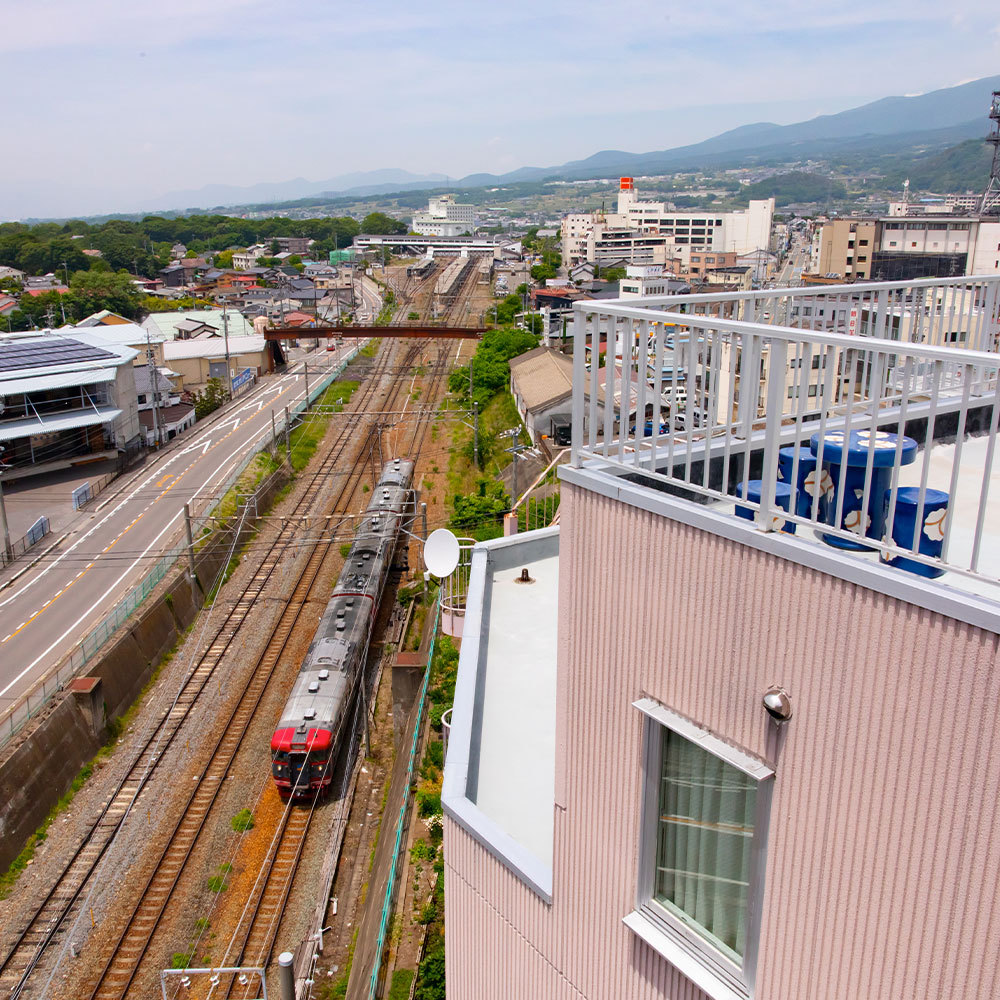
[(360, 183), (965, 167), (939, 118), (794, 187)]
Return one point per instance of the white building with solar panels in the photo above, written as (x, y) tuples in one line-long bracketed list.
[(65, 397)]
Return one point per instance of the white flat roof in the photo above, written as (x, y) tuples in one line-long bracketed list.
[(30, 426), (517, 743), (212, 347), (500, 770)]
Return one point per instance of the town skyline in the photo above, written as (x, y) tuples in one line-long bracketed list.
[(340, 94)]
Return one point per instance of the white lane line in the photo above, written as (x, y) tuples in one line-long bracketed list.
[(114, 587), (261, 434), (127, 498)]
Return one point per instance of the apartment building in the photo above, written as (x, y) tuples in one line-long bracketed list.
[(659, 233), (846, 248), (643, 281), (707, 745), (69, 397)]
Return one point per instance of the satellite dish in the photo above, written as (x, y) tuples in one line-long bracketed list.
[(441, 552)]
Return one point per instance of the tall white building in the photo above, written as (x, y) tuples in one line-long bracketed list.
[(445, 217), (646, 223)]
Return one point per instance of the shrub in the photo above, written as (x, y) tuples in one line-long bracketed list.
[(242, 821), (217, 883)]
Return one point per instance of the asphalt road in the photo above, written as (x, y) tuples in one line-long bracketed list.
[(112, 545)]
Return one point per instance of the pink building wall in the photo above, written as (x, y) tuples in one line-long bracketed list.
[(884, 853)]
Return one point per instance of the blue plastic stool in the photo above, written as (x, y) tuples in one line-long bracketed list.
[(782, 497), (931, 535)]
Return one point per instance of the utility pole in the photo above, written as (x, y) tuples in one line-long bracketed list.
[(305, 368), (274, 435), (190, 550), (515, 449), (288, 439), (154, 387), (8, 550), (423, 519), (475, 433), (225, 335)]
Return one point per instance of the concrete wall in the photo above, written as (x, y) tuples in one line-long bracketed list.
[(39, 768)]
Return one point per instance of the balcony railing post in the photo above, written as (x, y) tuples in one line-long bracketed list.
[(778, 363), (579, 373)]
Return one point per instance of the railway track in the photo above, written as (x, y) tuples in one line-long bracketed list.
[(255, 936), (51, 914), (123, 965)]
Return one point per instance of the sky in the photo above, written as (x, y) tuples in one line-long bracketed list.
[(111, 105)]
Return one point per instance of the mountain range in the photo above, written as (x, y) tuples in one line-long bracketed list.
[(932, 121)]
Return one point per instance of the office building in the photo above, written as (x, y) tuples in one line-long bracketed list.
[(656, 225)]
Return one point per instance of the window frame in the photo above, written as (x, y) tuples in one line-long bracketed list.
[(680, 944)]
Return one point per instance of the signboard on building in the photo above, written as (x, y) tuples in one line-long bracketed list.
[(242, 379), (852, 323)]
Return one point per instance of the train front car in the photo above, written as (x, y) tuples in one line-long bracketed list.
[(314, 720)]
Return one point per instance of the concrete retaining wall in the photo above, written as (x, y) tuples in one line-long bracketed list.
[(40, 770), (39, 766)]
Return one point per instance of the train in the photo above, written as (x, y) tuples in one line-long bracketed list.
[(314, 720)]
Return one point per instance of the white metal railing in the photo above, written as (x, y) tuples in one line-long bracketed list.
[(538, 506), (704, 400)]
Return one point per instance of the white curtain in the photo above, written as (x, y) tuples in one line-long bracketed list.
[(704, 840)]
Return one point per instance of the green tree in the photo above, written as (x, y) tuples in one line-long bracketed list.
[(224, 259), (380, 224), (91, 291), (482, 510), (209, 399)]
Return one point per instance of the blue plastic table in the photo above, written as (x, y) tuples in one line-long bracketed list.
[(870, 522)]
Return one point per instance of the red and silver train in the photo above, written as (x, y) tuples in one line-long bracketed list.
[(314, 720)]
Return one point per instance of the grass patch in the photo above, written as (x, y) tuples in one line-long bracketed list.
[(371, 348), (338, 989), (242, 821), (402, 980), (217, 883)]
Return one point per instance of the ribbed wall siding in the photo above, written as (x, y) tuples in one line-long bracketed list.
[(883, 856)]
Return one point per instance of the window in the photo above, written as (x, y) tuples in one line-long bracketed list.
[(702, 857)]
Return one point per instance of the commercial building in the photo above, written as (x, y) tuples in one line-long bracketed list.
[(196, 361), (655, 227), (695, 755), (67, 397), (901, 247), (445, 217)]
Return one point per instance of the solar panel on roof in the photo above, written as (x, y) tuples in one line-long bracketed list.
[(45, 351)]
